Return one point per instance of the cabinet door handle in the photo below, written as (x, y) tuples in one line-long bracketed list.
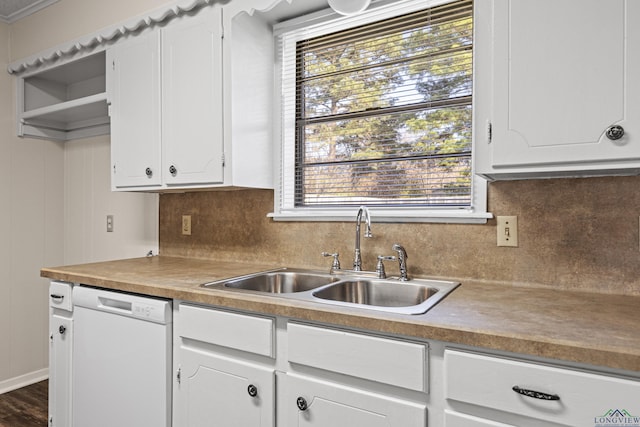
[(62, 329), (148, 172), (57, 297), (614, 132), (302, 403), (535, 394), (172, 170), (252, 390)]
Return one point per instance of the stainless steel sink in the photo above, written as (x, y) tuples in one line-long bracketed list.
[(414, 297), (380, 293), (347, 289), (278, 282)]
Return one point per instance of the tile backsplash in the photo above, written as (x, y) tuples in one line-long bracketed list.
[(574, 234)]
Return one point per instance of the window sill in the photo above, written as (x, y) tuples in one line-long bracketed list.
[(459, 216)]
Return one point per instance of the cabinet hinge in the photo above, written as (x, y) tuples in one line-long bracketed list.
[(221, 25), (223, 160), (489, 132), (113, 65), (114, 169), (178, 373)]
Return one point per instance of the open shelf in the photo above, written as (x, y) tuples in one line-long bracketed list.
[(66, 102)]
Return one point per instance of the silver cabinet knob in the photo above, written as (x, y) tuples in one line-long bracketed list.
[(252, 390), (148, 172), (301, 402), (172, 170), (614, 132)]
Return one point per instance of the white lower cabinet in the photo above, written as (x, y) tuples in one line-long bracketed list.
[(246, 370), (342, 378), (493, 389), (60, 353), (215, 390), (224, 373), (249, 370), (313, 402)]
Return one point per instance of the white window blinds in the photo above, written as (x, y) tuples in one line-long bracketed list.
[(383, 112)]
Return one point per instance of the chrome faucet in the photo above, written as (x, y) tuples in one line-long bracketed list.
[(357, 261), (402, 261)]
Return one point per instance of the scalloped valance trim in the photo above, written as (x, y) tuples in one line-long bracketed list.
[(106, 36)]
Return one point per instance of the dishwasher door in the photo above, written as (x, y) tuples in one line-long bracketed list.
[(121, 359)]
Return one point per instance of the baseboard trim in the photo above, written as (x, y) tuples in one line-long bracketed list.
[(23, 380)]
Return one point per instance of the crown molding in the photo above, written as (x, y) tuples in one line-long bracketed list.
[(26, 11), (106, 36)]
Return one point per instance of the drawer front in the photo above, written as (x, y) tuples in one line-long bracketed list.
[(582, 397), (456, 419), (254, 334), (60, 295), (394, 362)]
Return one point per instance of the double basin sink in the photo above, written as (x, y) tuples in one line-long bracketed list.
[(352, 289)]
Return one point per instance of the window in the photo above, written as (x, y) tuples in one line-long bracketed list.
[(377, 111)]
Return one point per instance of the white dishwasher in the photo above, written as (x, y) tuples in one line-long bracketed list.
[(121, 359)]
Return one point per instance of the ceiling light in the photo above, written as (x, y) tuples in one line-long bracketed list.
[(349, 7)]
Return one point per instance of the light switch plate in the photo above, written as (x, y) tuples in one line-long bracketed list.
[(507, 231), (186, 225)]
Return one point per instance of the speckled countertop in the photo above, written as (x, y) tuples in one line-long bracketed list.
[(596, 329)]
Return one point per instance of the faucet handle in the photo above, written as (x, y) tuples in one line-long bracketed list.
[(380, 266), (335, 265), (402, 261)]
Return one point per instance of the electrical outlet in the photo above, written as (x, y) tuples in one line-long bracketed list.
[(109, 223), (507, 231), (186, 225)]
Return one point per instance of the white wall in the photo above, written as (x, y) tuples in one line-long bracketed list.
[(54, 197), (31, 217), (88, 201), (69, 19)]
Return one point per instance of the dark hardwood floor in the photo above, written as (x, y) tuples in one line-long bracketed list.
[(25, 407)]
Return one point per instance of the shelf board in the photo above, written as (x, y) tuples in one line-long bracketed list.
[(76, 110)]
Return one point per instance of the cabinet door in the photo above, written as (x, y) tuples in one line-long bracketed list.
[(60, 345), (560, 79), (311, 402), (133, 87), (214, 390), (192, 99)]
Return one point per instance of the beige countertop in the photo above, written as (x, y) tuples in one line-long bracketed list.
[(589, 328)]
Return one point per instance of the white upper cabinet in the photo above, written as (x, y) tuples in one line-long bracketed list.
[(554, 87), (165, 94), (133, 85), (185, 108), (192, 137)]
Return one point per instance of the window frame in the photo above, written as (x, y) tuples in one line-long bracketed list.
[(286, 35)]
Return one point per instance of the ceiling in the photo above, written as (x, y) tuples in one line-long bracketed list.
[(12, 10)]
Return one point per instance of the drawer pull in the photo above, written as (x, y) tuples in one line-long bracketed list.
[(535, 394), (57, 297)]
